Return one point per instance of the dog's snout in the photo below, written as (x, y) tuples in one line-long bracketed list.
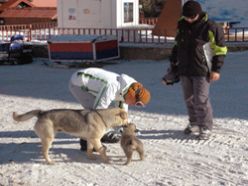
[(126, 121)]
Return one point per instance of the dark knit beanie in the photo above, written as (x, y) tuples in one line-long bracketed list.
[(191, 8)]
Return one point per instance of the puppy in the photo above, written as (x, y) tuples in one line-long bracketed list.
[(130, 143), (90, 125)]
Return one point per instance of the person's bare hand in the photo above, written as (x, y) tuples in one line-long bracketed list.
[(214, 76)]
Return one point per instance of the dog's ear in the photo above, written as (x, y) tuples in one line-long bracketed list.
[(123, 115)]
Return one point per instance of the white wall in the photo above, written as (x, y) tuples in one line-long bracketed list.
[(95, 13), (83, 13)]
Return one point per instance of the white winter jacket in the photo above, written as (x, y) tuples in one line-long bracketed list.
[(106, 86)]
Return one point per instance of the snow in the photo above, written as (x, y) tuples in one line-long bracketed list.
[(227, 10), (171, 158)]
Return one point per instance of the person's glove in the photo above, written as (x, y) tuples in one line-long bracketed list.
[(170, 77)]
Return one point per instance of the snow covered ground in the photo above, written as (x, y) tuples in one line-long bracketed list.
[(171, 158), (227, 10)]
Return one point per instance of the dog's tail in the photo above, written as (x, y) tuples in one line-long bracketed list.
[(26, 116)]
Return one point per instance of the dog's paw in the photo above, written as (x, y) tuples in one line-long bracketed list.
[(50, 162), (106, 160), (91, 157), (126, 163)]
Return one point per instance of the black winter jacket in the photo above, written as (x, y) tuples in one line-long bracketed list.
[(188, 54)]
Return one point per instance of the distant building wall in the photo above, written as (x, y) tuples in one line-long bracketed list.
[(97, 14)]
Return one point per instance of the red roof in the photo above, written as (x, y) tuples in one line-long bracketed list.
[(45, 3), (14, 4), (34, 12)]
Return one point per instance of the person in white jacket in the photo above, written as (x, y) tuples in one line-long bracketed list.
[(96, 88)]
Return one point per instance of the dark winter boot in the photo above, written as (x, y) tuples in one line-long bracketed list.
[(83, 145), (192, 129), (111, 137), (204, 134)]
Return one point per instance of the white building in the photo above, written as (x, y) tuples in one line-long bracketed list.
[(97, 13)]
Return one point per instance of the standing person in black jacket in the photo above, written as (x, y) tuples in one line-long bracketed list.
[(197, 57)]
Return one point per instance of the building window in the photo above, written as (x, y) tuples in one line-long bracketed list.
[(1, 21), (128, 12), (22, 5)]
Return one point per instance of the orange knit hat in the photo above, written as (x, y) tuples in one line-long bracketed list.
[(137, 92)]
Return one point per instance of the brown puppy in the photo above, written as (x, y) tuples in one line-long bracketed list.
[(90, 125), (130, 143)]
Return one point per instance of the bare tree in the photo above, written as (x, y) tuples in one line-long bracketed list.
[(151, 8)]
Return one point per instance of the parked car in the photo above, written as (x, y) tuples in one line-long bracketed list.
[(16, 51)]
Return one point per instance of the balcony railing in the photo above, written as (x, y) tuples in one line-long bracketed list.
[(43, 31)]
